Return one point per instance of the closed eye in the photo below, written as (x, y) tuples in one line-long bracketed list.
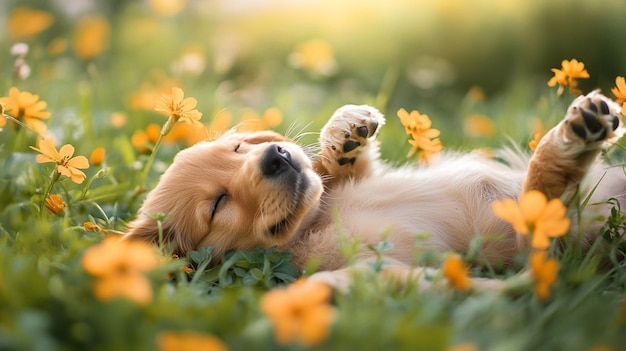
[(219, 202), (237, 147)]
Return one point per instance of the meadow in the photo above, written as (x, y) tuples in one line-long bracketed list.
[(88, 124)]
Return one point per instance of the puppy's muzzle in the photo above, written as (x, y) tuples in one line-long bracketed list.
[(276, 161)]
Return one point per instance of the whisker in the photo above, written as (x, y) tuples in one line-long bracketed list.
[(291, 129)]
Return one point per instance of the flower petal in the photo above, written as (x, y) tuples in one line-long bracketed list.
[(532, 205), (78, 162), (509, 211), (66, 150)]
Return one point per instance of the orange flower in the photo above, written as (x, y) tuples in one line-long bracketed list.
[(66, 164), (534, 213), (3, 120), (97, 156), (91, 227), (57, 46), (55, 203), (118, 266), (142, 140), (425, 139), (188, 341), (538, 133), (620, 92), (27, 108), (118, 119), (536, 139), (25, 22), (545, 271), (300, 312), (479, 126), (465, 346), (251, 121), (91, 36), (455, 270), (179, 108), (567, 75), (220, 124)]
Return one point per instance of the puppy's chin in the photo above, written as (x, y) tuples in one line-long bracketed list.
[(300, 201)]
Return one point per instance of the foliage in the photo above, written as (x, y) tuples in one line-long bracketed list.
[(264, 268), (90, 76)]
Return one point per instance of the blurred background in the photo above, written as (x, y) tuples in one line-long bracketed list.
[(478, 68)]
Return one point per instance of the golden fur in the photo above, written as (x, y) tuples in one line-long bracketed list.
[(260, 189)]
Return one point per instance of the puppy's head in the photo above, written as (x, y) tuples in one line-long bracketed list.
[(241, 191)]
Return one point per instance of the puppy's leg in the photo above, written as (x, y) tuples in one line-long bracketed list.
[(424, 278), (566, 152), (348, 146)]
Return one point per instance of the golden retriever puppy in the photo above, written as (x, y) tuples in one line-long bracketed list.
[(260, 189)]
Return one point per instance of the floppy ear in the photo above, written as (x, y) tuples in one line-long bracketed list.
[(143, 228), (263, 137)]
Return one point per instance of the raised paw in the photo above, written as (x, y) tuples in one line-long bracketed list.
[(566, 152), (348, 131), (593, 119)]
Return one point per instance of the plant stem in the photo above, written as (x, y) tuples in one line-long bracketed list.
[(164, 131), (386, 87), (54, 178)]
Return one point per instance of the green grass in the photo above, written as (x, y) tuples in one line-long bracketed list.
[(46, 296)]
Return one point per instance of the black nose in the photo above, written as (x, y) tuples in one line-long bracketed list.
[(276, 160)]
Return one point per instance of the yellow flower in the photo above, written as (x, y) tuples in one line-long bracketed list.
[(148, 92), (425, 139), (25, 22), (455, 270), (55, 203), (567, 75), (188, 341), (167, 7), (179, 108), (620, 92), (27, 108), (300, 312), (66, 164), (97, 156), (545, 271), (534, 213), (315, 56), (119, 267), (91, 36)]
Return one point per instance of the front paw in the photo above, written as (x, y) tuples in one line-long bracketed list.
[(592, 120), (348, 131)]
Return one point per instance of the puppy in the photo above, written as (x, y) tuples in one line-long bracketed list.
[(260, 189)]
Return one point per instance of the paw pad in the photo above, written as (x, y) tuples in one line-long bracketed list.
[(594, 118), (349, 130)]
